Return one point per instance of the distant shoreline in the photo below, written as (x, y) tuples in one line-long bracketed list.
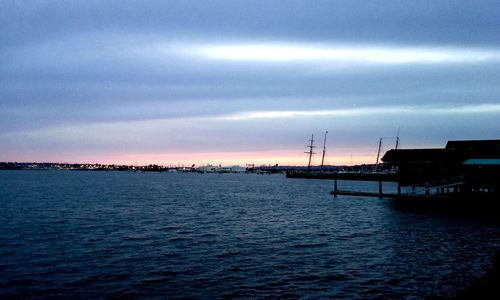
[(193, 168)]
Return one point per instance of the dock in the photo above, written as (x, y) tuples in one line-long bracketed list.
[(436, 189), (363, 194), (359, 176), (464, 172)]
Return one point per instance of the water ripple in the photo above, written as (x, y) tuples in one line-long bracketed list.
[(158, 235)]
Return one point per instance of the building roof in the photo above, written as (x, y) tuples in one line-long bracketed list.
[(412, 155), (476, 145), (455, 152), (482, 162), (475, 149)]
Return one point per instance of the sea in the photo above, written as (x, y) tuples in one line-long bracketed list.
[(98, 234)]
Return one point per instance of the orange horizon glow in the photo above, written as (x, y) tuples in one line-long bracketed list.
[(280, 157)]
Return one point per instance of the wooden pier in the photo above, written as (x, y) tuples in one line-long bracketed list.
[(363, 194), (464, 172), (392, 177), (438, 189)]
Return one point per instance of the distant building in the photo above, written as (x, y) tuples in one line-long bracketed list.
[(220, 169), (234, 169)]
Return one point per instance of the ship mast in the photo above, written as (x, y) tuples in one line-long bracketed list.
[(310, 152), (324, 151), (397, 140), (378, 153)]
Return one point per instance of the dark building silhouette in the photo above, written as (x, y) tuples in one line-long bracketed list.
[(477, 161)]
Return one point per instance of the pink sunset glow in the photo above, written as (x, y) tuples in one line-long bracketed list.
[(282, 158)]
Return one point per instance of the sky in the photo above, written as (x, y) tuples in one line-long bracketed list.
[(243, 82)]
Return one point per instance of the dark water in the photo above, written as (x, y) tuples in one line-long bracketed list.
[(113, 234)]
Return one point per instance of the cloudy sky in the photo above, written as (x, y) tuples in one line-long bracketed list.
[(181, 82)]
